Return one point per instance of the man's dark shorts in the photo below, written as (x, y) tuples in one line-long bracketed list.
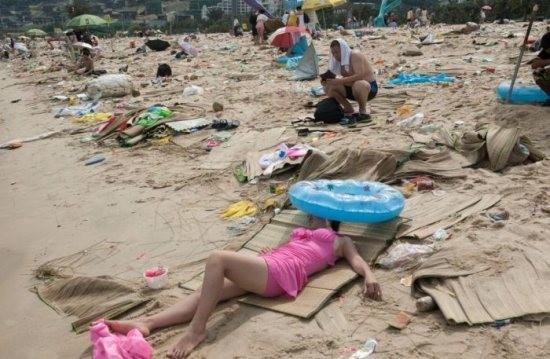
[(372, 93)]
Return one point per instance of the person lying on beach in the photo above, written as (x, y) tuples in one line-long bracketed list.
[(283, 271), (357, 81), (541, 64), (85, 65)]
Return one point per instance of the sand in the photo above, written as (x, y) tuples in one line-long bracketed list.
[(152, 204)]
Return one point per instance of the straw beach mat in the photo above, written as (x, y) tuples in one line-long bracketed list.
[(89, 299), (370, 241), (470, 288)]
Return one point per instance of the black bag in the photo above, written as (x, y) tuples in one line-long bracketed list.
[(328, 111), (164, 70), (306, 18)]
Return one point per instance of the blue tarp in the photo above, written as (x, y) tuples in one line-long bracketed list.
[(413, 79)]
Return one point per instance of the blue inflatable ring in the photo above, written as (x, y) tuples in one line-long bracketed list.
[(347, 201)]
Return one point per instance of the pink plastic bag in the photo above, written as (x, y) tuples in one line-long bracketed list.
[(107, 345)]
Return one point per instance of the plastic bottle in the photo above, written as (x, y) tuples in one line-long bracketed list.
[(425, 304), (368, 348)]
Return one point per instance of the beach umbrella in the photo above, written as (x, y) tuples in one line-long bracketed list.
[(286, 36), (314, 5), (486, 7), (189, 50), (85, 20), (36, 33), (157, 44)]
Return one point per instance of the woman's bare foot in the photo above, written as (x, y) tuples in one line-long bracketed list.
[(124, 326), (186, 345)]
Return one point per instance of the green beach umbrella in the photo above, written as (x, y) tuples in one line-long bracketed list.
[(85, 21), (35, 33)]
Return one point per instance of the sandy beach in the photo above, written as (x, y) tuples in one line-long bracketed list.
[(156, 204)]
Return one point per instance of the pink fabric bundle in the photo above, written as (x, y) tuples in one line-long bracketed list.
[(107, 345)]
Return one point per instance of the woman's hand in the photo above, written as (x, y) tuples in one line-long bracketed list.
[(371, 287)]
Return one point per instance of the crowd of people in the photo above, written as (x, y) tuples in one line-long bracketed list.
[(419, 17)]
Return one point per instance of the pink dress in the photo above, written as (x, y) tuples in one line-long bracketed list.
[(290, 265)]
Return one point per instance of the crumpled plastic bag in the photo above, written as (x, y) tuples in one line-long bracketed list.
[(111, 85), (107, 345), (405, 256)]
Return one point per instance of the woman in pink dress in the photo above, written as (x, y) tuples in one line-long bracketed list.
[(281, 271)]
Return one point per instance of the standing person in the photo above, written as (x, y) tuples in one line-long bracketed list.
[(410, 17), (292, 19), (283, 271), (541, 64), (357, 82), (424, 17), (284, 19), (252, 21), (482, 16), (260, 25), (236, 27), (301, 17)]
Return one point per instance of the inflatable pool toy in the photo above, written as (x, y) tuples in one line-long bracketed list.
[(522, 93), (347, 201)]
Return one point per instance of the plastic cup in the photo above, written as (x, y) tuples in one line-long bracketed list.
[(156, 277)]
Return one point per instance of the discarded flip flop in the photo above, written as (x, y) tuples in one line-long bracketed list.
[(229, 125), (217, 124), (348, 121), (362, 117)]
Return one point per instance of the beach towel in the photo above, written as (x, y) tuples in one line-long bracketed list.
[(107, 345), (335, 65)]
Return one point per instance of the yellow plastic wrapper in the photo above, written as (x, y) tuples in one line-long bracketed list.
[(239, 210), (161, 141), (93, 117)]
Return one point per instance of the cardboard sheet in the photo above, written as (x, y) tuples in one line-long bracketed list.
[(369, 239)]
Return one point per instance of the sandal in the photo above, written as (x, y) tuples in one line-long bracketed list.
[(217, 124), (348, 121), (228, 125), (362, 117)]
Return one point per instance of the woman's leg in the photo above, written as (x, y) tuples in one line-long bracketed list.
[(261, 35), (248, 273), (180, 313)]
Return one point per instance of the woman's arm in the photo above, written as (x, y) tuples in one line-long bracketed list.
[(371, 287)]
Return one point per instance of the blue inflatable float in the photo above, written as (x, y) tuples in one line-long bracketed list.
[(347, 201), (522, 93)]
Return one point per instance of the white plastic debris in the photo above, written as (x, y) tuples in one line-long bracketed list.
[(368, 348)]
